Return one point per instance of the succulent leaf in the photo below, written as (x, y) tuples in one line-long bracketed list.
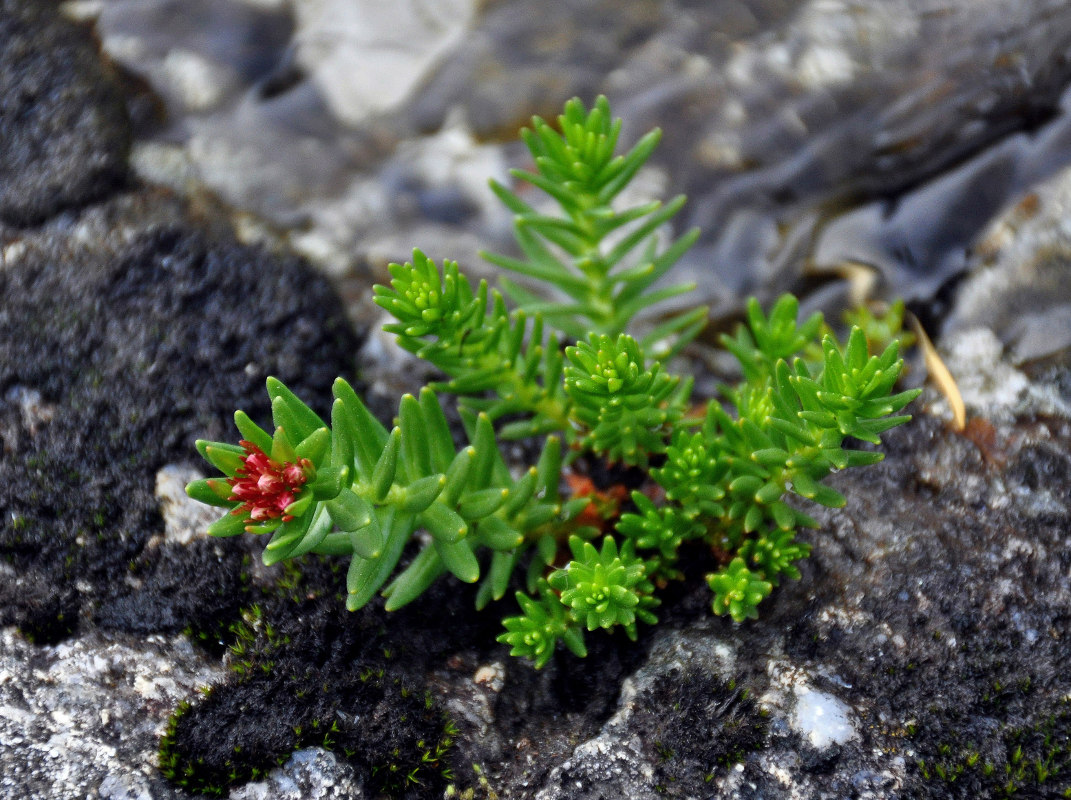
[(625, 407), (605, 587), (536, 631), (605, 281), (738, 590)]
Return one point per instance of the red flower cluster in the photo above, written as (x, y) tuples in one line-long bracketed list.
[(265, 486)]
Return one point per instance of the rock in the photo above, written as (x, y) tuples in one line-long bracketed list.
[(790, 125), (82, 718), (921, 648), (198, 55), (367, 58), (643, 751), (63, 122), (781, 117), (313, 774), (517, 61), (324, 677), (1018, 282), (597, 770), (847, 102), (821, 719), (184, 518), (225, 86), (924, 641), (992, 388)]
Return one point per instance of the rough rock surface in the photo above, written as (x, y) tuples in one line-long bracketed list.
[(80, 719), (1018, 281), (923, 652), (366, 58), (930, 625), (312, 774), (780, 118)]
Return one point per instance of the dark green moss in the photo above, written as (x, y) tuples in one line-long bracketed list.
[(397, 736), (319, 677), (697, 726), (54, 617), (85, 429), (305, 672), (1017, 758)]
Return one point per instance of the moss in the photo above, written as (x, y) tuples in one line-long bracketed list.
[(397, 736), (305, 673), (65, 129), (698, 726), (1025, 755), (52, 620), (481, 790), (78, 484)]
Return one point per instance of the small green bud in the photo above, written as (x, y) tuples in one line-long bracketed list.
[(737, 590)]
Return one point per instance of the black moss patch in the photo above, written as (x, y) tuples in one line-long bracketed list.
[(696, 726), (307, 611), (305, 672), (980, 693), (200, 586), (49, 615), (110, 367), (64, 134), (542, 715), (396, 734), (588, 687), (1005, 744)]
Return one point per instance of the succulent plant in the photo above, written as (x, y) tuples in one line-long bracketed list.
[(560, 366)]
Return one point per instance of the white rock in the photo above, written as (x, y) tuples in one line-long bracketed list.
[(821, 718), (57, 741), (366, 56), (184, 519), (312, 774), (990, 385), (198, 82)]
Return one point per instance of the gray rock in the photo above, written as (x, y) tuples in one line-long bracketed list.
[(781, 116), (82, 718), (518, 60), (599, 770), (198, 55), (184, 518), (368, 58), (789, 124), (252, 127), (313, 774), (1018, 286)]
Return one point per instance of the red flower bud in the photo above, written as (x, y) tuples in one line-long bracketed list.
[(265, 487)]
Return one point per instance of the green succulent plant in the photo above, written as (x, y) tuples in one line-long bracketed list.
[(601, 261), (559, 365), (606, 587), (624, 406)]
